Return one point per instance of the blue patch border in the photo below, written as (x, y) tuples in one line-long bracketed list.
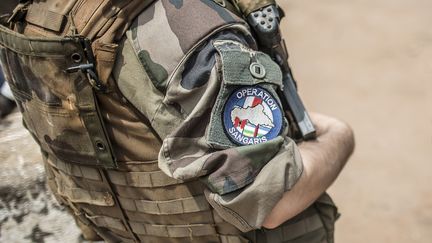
[(232, 101)]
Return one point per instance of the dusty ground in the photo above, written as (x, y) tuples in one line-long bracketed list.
[(365, 61), (28, 213), (369, 63)]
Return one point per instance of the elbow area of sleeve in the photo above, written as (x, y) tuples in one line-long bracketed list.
[(275, 178)]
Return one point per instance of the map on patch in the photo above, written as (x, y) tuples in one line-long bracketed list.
[(252, 116)]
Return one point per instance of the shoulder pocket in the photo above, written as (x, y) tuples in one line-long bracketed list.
[(244, 66), (247, 109)]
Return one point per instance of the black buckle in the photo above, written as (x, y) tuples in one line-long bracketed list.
[(19, 12), (88, 69)]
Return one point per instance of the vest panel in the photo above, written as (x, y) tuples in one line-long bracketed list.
[(58, 106)]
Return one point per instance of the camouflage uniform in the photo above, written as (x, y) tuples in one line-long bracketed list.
[(150, 156)]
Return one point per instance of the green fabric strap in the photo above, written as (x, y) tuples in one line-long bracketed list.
[(93, 121), (249, 6), (236, 66), (94, 125)]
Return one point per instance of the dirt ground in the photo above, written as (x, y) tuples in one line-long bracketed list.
[(368, 62), (364, 61)]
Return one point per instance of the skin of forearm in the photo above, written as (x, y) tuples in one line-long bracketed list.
[(323, 159)]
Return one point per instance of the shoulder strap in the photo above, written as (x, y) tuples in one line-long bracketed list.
[(104, 22)]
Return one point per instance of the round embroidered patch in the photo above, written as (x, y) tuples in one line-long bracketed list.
[(252, 115)]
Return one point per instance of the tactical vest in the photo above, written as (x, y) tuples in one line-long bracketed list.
[(100, 153)]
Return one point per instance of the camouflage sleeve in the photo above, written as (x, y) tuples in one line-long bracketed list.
[(233, 134), (212, 100)]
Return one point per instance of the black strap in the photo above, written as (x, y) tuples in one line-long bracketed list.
[(19, 12)]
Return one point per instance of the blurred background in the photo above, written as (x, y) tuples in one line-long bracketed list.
[(367, 62)]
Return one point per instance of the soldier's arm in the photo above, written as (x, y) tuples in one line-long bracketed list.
[(323, 159), (220, 120), (233, 135)]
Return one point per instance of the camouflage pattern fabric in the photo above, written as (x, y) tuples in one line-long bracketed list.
[(65, 102), (191, 80), (169, 125), (314, 224)]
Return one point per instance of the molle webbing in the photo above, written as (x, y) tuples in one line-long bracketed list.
[(41, 16), (161, 219), (177, 206), (142, 179), (76, 170)]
